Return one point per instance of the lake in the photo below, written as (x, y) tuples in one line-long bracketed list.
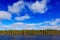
[(46, 37)]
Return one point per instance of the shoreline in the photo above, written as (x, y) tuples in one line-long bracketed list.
[(29, 32)]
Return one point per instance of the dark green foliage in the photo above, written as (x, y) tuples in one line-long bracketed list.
[(29, 32)]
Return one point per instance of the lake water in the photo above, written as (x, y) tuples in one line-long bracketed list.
[(47, 37)]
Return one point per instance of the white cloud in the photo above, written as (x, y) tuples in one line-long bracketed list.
[(26, 16), (55, 22), (23, 26), (34, 26), (50, 27), (18, 26), (40, 7), (37, 6), (17, 7), (5, 15)]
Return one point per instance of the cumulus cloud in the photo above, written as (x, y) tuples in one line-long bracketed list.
[(26, 16), (40, 7), (16, 7), (5, 15), (36, 7)]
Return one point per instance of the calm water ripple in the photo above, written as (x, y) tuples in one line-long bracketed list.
[(48, 37)]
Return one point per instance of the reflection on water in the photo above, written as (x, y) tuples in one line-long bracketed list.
[(49, 37)]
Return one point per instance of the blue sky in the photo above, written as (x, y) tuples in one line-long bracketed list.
[(28, 14)]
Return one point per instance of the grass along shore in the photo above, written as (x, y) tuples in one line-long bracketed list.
[(29, 32)]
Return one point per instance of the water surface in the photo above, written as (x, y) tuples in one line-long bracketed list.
[(47, 37)]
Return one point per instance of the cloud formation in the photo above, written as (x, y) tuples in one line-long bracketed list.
[(19, 6), (33, 26), (55, 22), (39, 7), (16, 7), (26, 16), (5, 15), (36, 7)]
